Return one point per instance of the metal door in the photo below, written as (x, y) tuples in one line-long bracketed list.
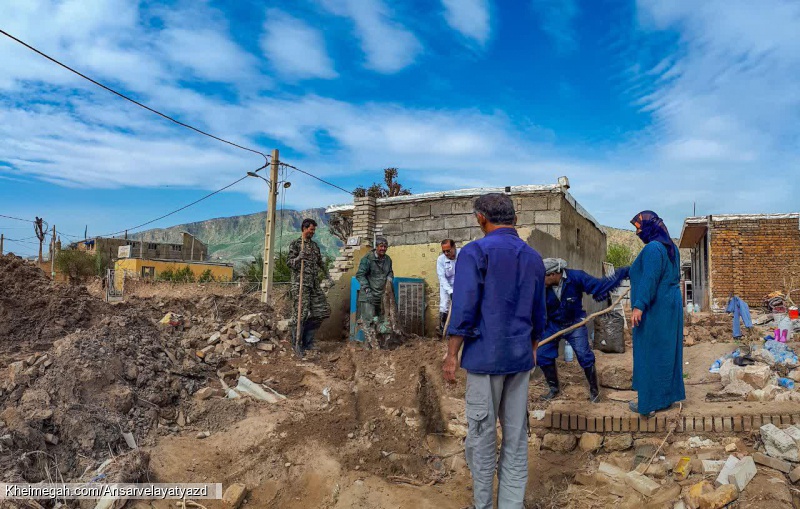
[(115, 285)]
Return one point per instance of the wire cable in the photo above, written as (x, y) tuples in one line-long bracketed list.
[(134, 101), (315, 177), (16, 218), (209, 195)]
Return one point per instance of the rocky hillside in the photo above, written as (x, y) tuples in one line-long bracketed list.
[(239, 238), (629, 239)]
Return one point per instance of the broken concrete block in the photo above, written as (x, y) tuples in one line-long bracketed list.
[(616, 443), (590, 442), (559, 443), (730, 448), (641, 483), (719, 498), (266, 347), (793, 432), (727, 468), (712, 466), (214, 339), (758, 375), (617, 377), (610, 470), (665, 497), (234, 496), (794, 476), (778, 444), (696, 492), (795, 375), (734, 391), (743, 473), (780, 465), (729, 372), (283, 325)]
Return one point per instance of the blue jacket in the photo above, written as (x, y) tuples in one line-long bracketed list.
[(569, 309), (498, 303)]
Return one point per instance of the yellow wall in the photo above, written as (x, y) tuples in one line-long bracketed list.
[(134, 265)]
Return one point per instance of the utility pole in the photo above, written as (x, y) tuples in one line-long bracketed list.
[(53, 256), (2, 238), (269, 237)]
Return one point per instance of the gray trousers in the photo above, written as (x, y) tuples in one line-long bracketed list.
[(490, 397)]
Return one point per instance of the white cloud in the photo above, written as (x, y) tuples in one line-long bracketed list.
[(470, 17), (294, 47), (389, 46), (556, 17)]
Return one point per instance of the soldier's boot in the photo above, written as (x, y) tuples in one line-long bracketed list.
[(591, 377), (309, 332), (551, 375)]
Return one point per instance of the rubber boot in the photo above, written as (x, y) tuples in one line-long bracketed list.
[(297, 346), (309, 332), (551, 375), (591, 376)]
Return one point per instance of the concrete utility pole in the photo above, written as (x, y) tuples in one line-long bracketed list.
[(269, 239)]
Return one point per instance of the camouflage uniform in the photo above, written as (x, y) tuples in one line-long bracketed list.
[(373, 274), (315, 305)]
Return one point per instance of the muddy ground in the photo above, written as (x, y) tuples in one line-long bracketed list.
[(358, 428)]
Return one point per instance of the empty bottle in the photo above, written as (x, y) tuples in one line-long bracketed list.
[(787, 383), (569, 353)]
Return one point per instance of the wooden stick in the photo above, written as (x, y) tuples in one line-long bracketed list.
[(297, 338), (584, 321), (447, 322)]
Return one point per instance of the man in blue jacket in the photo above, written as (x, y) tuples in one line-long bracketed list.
[(565, 289), (498, 313)]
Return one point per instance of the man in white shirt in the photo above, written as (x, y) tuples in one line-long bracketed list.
[(446, 270)]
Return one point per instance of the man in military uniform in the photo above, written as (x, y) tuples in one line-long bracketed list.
[(315, 307), (374, 273)]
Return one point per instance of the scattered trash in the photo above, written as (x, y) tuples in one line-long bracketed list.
[(247, 386), (130, 440), (538, 414), (327, 393), (786, 383), (698, 443)]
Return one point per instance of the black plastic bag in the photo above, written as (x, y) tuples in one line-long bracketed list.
[(609, 334)]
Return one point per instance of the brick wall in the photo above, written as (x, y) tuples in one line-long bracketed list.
[(752, 257)]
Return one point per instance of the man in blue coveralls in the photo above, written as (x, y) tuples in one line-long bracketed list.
[(498, 313), (565, 289)]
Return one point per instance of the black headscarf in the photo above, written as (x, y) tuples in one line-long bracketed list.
[(650, 227)]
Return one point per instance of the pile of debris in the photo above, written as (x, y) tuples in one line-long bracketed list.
[(765, 372), (255, 331)]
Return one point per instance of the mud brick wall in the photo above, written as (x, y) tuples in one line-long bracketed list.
[(752, 257)]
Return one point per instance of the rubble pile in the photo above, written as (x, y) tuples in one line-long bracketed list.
[(257, 331), (77, 401), (767, 373)]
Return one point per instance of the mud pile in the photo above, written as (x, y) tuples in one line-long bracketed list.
[(35, 312)]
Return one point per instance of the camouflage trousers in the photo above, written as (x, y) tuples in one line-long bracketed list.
[(315, 305)]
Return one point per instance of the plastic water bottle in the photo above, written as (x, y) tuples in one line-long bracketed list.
[(569, 353), (787, 383)]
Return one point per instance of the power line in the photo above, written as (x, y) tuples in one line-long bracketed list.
[(315, 177), (16, 218), (209, 195), (134, 101)]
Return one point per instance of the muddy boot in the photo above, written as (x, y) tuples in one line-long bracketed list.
[(309, 332), (551, 375), (591, 376)]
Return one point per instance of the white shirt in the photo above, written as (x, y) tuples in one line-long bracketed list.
[(446, 270)]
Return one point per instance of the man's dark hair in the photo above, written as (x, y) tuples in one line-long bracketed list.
[(450, 242), (306, 223), (497, 208)]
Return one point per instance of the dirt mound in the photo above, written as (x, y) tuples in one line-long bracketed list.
[(122, 375), (34, 312)]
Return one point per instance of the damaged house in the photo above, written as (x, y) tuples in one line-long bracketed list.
[(548, 218), (745, 255)]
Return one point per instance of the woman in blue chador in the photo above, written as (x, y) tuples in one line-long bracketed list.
[(657, 318)]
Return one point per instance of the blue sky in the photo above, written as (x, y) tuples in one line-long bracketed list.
[(643, 104)]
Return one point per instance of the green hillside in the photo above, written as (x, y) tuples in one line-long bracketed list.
[(239, 239)]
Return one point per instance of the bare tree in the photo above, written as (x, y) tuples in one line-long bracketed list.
[(341, 227), (38, 228)]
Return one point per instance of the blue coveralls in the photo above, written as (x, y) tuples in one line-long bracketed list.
[(567, 311)]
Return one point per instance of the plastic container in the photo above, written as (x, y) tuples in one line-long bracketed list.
[(569, 353), (794, 314), (689, 307), (787, 383), (697, 308)]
